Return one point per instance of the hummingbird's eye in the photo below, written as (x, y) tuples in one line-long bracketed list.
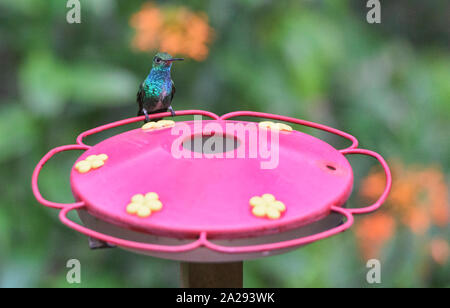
[(158, 60)]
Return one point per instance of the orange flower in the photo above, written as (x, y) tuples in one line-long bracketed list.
[(373, 232), (372, 185), (436, 196), (175, 30), (439, 250), (419, 198), (419, 195), (417, 219), (147, 23)]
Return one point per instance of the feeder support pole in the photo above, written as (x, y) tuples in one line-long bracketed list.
[(212, 275)]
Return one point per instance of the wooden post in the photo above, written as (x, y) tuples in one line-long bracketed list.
[(212, 275)]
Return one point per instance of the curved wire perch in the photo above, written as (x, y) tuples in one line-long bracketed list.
[(141, 118), (387, 172), (293, 120), (126, 243), (37, 171), (290, 243), (202, 239)]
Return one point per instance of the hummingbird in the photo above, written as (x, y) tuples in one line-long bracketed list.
[(156, 92)]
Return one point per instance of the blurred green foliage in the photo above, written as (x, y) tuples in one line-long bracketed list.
[(387, 84)]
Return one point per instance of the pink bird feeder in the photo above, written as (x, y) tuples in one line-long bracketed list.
[(149, 191)]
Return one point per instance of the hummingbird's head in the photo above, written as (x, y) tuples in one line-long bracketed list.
[(164, 60)]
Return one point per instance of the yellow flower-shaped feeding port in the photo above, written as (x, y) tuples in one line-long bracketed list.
[(275, 126), (267, 206), (91, 162), (144, 205), (157, 125)]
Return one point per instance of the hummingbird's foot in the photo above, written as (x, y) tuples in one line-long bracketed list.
[(147, 119), (172, 111)]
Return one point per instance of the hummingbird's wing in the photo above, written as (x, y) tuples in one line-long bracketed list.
[(173, 91), (140, 99)]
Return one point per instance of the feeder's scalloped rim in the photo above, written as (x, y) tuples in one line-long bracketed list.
[(202, 240)]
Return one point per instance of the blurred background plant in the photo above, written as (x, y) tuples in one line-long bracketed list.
[(387, 84)]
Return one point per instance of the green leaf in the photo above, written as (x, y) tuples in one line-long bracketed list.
[(43, 82), (96, 84), (17, 133)]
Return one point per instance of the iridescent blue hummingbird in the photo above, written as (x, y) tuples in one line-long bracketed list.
[(156, 92)]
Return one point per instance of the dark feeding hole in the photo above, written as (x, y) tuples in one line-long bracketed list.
[(211, 144), (331, 167)]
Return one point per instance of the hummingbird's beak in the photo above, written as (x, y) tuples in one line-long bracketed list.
[(175, 59)]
